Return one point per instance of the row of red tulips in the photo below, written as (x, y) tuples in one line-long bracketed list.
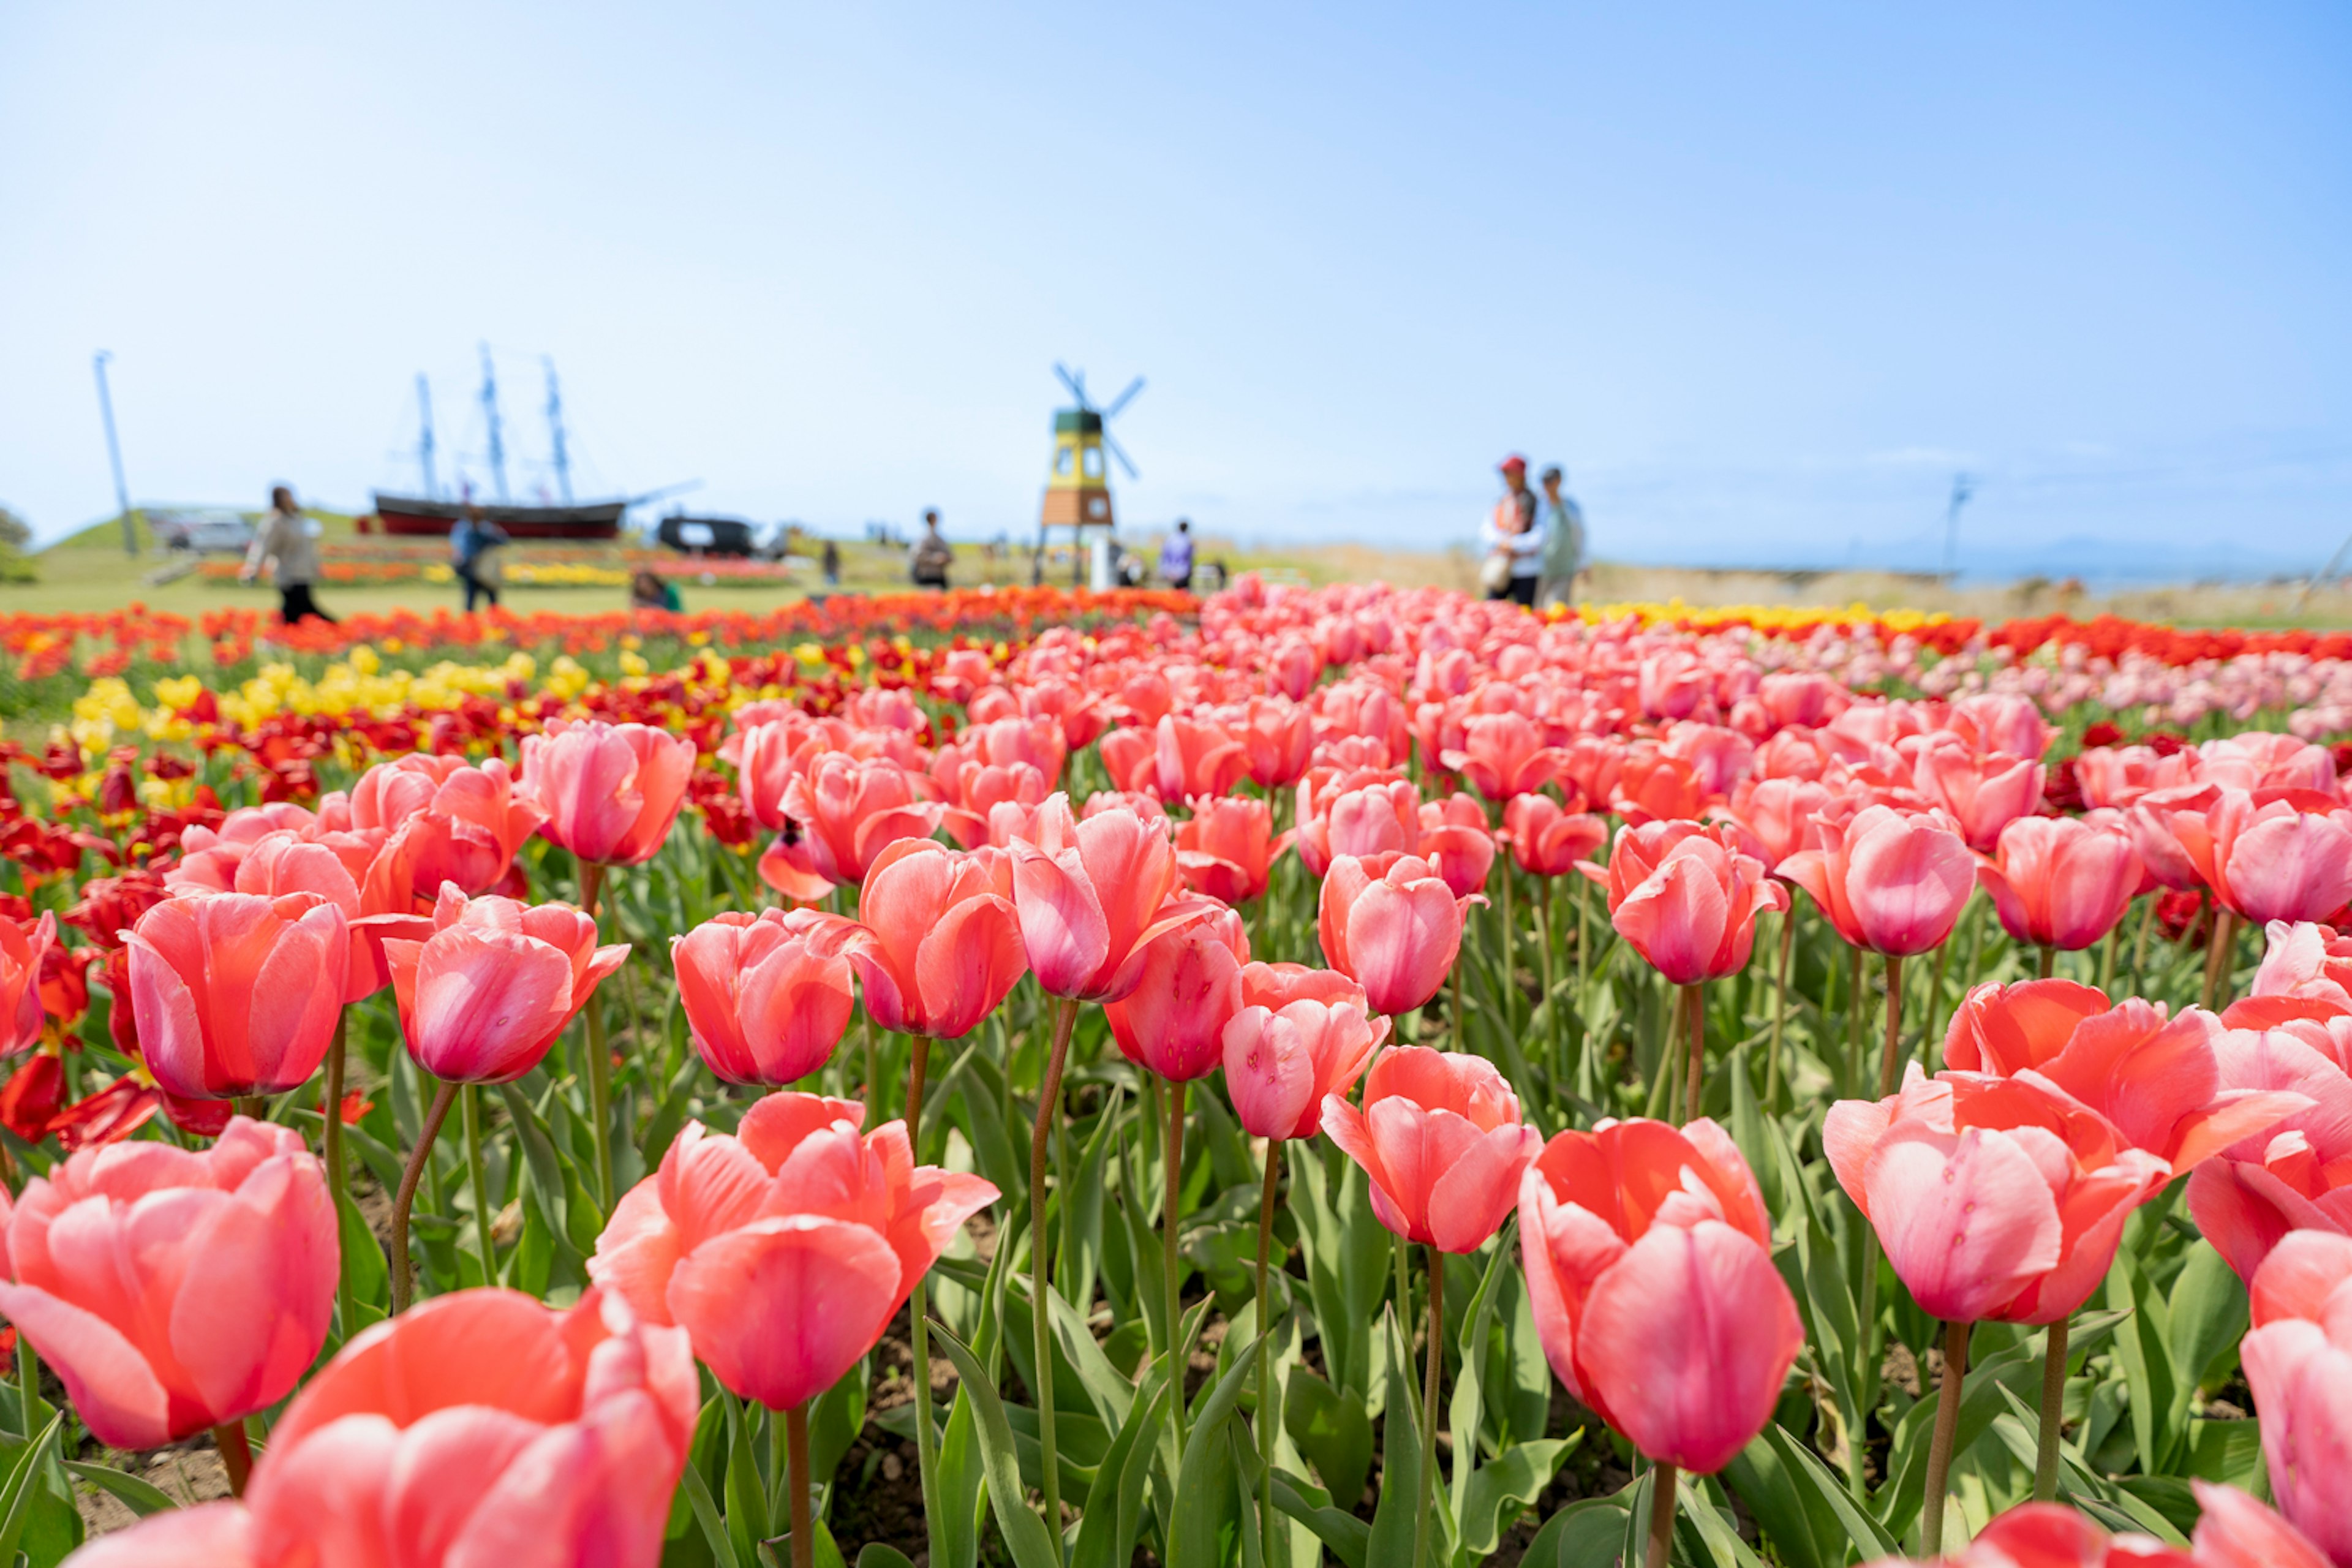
[(1682, 1269)]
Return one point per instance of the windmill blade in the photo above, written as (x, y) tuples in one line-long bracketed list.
[(1076, 384), (1122, 400), (1124, 461)]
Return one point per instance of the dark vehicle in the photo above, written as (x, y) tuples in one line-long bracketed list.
[(708, 535)]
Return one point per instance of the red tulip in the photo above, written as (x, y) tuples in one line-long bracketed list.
[(1226, 848), (765, 1003), (2287, 859), (1548, 841), (1685, 900), (483, 999), (1440, 1138), (174, 1291), (2235, 1531), (1503, 754), (1888, 882), (610, 791), (2158, 1082), (1390, 924), (1173, 1022), (2061, 882), (2298, 1362), (1993, 1197), (1091, 895), (1282, 1061), (234, 994), (785, 1249), (1984, 794), (937, 942), (21, 953), (477, 1427), (1649, 1267)]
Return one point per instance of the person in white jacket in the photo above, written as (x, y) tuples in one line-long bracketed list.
[(287, 544)]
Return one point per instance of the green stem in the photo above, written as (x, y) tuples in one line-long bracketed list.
[(1935, 1000), (1890, 1066), (332, 1144), (2217, 954), (2139, 945), (1268, 1424), (926, 1441), (1049, 1112), (1853, 1023), (470, 1112), (405, 1199), (2047, 963), (236, 1454), (1779, 1005), (600, 1059), (2053, 1407), (1173, 1152), (1695, 1020), (1434, 1368), (1939, 1448), (1661, 1515), (803, 1530)]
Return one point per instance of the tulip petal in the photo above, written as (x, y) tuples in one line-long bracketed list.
[(1967, 1220), (781, 1308), (113, 1389)]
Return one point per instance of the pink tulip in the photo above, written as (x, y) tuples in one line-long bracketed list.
[(1779, 815), (1282, 1061), (1654, 786), (174, 1291), (1173, 1022), (610, 791), (849, 810), (937, 941), (1983, 794), (478, 1428), (2285, 860), (2159, 1081), (335, 866), (448, 821), (2298, 1362), (1197, 757), (1091, 895), (1364, 813), (2261, 760), (1649, 1269), (2297, 1176), (1440, 1138), (234, 994), (2061, 882), (209, 857), (785, 1249), (1456, 842), (1548, 841), (1278, 736), (1888, 882), (765, 1003), (1226, 848), (487, 994), (1277, 985), (1994, 1199), (2002, 721), (1503, 754), (2235, 1531), (1684, 900), (2307, 961), (1719, 757), (2119, 776), (22, 953), (975, 791), (1390, 924)]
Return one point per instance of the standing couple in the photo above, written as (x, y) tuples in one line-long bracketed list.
[(1532, 548)]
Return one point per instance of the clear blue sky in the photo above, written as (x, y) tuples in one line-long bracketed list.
[(1762, 278)]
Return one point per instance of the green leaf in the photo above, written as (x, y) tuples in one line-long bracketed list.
[(365, 1272), (744, 1491), (1023, 1532), (875, 1554), (1203, 1480), (1332, 1430), (1467, 1412), (1502, 1489), (1787, 1511), (1587, 1530), (1114, 1510), (2141, 1352), (22, 1481), (1394, 1525), (2209, 1313), (1349, 1537), (706, 1513), (1806, 1470), (128, 1489), (1111, 1395)]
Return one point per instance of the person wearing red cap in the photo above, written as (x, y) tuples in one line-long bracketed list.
[(1512, 541)]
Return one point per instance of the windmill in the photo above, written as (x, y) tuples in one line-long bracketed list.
[(1078, 487)]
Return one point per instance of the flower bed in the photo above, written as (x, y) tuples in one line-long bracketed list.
[(1714, 1089)]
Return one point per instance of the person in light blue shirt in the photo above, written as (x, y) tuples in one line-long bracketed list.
[(1563, 552), (1176, 557)]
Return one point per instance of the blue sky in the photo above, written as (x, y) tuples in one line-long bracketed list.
[(1762, 278)]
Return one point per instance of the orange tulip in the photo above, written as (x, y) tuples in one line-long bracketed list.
[(1226, 848), (937, 942), (2060, 882), (1441, 1140), (765, 1003)]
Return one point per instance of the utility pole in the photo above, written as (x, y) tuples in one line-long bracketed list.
[(114, 455), (490, 412), (424, 438), (1963, 487), (555, 429)]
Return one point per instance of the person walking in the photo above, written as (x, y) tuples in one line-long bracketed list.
[(829, 564), (1176, 557), (1511, 542), (471, 540), (287, 544), (930, 557), (1563, 556)]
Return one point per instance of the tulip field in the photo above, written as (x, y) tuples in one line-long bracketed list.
[(1060, 1080)]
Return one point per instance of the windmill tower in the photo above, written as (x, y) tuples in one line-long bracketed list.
[(1077, 485)]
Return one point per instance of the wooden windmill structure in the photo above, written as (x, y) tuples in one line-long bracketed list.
[(1077, 485)]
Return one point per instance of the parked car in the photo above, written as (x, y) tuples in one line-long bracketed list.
[(204, 529), (706, 535)]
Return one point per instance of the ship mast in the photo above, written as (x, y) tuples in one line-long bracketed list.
[(555, 429), (490, 414), (424, 438)]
